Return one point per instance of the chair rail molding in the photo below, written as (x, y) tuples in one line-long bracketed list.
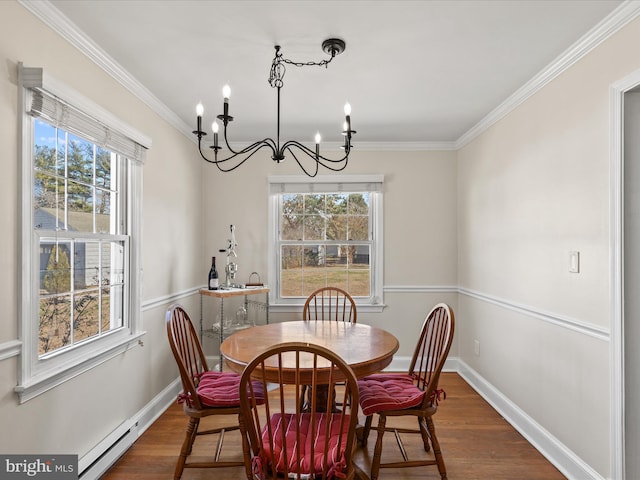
[(421, 289), (10, 349), (165, 300), (596, 331), (574, 324)]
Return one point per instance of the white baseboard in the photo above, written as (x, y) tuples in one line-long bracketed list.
[(565, 460), (100, 458), (401, 364)]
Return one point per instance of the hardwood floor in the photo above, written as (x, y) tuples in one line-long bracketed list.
[(476, 442)]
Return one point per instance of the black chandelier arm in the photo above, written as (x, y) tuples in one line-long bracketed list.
[(321, 159), (267, 142), (257, 146), (293, 154), (328, 163), (217, 162), (344, 161)]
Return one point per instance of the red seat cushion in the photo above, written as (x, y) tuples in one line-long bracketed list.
[(221, 389), (382, 392), (336, 463)]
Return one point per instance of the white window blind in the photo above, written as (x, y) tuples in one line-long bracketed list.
[(60, 114), (325, 184), (45, 100)]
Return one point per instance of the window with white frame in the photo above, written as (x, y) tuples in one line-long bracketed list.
[(326, 231), (81, 208)]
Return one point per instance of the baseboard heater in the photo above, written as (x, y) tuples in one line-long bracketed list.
[(100, 458), (108, 451)]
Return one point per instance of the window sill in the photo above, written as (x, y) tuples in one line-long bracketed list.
[(290, 308), (46, 381)]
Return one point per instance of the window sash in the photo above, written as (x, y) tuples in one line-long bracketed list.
[(280, 185), (118, 282)]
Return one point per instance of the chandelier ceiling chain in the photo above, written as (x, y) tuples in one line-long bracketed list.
[(332, 47)]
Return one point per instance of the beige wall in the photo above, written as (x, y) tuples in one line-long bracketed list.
[(532, 188), (419, 226)]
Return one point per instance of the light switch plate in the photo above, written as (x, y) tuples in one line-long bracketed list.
[(574, 262)]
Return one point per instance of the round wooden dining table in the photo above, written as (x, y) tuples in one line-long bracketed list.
[(364, 348)]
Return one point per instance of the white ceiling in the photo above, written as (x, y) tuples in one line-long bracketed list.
[(413, 71)]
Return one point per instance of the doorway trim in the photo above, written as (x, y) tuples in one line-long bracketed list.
[(616, 259)]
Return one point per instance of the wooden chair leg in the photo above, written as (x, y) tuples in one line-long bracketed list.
[(377, 452), (194, 434), (424, 432), (436, 448), (366, 430), (303, 398), (187, 445), (246, 449)]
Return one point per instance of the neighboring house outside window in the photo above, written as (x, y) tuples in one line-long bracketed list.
[(325, 232), (81, 201)]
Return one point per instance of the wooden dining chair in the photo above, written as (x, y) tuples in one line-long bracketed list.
[(285, 442), (204, 392), (415, 393), (330, 303)]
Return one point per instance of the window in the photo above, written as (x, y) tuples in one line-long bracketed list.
[(79, 215), (326, 232), (81, 236)]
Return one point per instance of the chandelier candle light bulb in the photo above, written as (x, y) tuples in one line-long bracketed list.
[(318, 138), (199, 112), (226, 93), (214, 128), (347, 113), (347, 136)]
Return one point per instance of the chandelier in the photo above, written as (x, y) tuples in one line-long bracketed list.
[(332, 47)]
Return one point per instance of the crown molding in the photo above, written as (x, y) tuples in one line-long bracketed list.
[(617, 19), (367, 146), (59, 23), (404, 146)]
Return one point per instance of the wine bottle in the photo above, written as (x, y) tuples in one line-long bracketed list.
[(213, 275)]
